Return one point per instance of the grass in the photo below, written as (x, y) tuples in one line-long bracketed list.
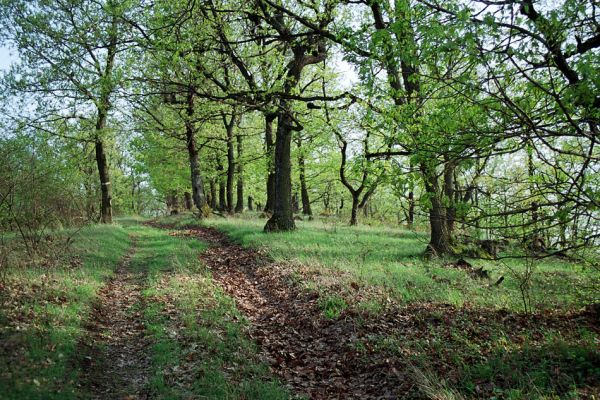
[(200, 346), (198, 337), (478, 354), (42, 312), (391, 259)]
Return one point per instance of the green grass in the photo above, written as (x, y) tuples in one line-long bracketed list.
[(481, 356), (42, 311), (194, 326), (391, 260)]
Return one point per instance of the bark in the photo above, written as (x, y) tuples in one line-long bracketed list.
[(187, 196), (103, 107), (283, 218), (411, 208), (105, 184), (239, 206), (250, 203), (449, 168), (190, 137), (230, 162), (213, 194), (222, 195), (270, 149), (439, 242), (354, 210)]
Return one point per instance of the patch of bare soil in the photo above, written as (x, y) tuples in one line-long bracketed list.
[(114, 359)]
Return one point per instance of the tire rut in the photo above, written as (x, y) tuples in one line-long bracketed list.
[(315, 356), (114, 360)]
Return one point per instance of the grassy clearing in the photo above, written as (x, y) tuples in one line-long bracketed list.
[(200, 345), (42, 312)]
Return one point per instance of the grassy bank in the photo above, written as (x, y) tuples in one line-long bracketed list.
[(44, 303), (391, 260)]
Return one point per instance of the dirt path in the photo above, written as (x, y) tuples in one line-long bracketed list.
[(314, 356), (115, 362)]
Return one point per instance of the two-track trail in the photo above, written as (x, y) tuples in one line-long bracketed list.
[(314, 356), (115, 362)]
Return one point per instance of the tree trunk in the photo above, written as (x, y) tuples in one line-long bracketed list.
[(190, 137), (105, 184), (439, 243), (411, 208), (283, 217), (213, 194), (230, 166), (222, 198), (270, 147), (303, 189), (354, 211), (239, 206), (250, 203), (449, 197), (188, 200)]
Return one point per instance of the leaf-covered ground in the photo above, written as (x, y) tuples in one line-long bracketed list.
[(163, 310)]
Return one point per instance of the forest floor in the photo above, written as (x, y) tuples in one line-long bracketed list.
[(172, 309)]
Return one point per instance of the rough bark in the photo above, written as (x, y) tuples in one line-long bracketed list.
[(187, 197), (354, 210), (283, 218), (105, 184), (411, 208), (222, 195), (213, 194), (239, 206), (190, 137), (230, 161), (439, 242), (270, 152)]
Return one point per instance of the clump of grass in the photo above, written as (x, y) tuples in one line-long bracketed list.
[(332, 305)]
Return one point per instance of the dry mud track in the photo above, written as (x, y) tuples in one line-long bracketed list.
[(312, 355), (114, 359)]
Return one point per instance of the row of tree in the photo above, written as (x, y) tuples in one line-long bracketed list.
[(482, 114)]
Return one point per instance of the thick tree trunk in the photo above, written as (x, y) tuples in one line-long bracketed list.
[(103, 171), (270, 151), (105, 184), (173, 203), (303, 189), (239, 206), (439, 243), (230, 166), (190, 137), (283, 217), (354, 210)]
